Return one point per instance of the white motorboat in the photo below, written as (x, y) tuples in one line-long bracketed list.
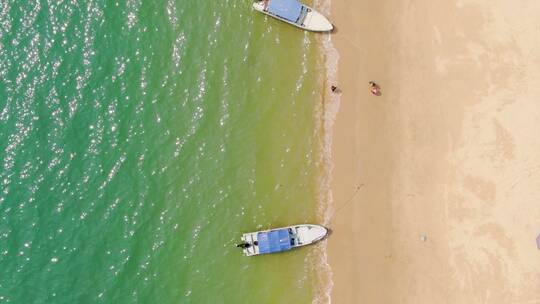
[(295, 13), (281, 239)]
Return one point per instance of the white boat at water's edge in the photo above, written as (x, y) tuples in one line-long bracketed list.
[(281, 239), (295, 13)]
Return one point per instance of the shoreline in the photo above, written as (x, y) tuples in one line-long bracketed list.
[(445, 170), (327, 112)]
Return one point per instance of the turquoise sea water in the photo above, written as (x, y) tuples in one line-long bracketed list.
[(139, 139)]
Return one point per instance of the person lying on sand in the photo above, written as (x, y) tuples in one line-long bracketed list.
[(375, 89)]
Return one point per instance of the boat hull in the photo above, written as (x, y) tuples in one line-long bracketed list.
[(300, 235), (314, 21)]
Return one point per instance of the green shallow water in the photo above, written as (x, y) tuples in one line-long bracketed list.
[(139, 139)]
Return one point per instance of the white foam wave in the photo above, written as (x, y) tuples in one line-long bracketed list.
[(327, 112), (178, 50), (172, 13), (133, 7)]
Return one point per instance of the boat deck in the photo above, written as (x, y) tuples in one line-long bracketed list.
[(282, 239)]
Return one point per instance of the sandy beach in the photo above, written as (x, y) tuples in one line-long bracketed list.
[(436, 183)]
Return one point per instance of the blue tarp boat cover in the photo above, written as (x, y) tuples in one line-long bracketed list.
[(286, 9), (274, 241)]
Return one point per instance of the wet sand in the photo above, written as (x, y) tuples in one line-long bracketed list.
[(447, 160)]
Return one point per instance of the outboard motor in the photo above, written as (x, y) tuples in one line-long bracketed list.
[(243, 245)]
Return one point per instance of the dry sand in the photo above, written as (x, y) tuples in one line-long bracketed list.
[(451, 150)]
